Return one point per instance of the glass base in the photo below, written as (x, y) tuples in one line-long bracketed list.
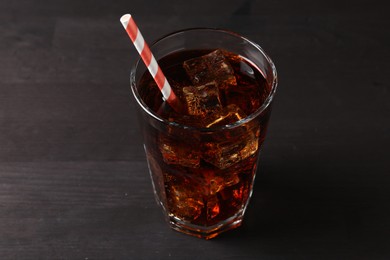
[(205, 232)]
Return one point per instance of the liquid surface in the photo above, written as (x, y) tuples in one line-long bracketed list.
[(247, 93)]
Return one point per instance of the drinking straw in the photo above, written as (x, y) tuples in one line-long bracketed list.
[(149, 60)]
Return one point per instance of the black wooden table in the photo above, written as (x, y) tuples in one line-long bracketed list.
[(73, 176)]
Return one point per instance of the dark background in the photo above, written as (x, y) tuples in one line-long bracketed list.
[(73, 177)]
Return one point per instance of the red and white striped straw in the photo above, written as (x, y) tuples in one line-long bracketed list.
[(149, 60)]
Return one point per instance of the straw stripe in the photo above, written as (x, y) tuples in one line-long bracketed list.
[(131, 27), (148, 58), (166, 90), (139, 42), (153, 66), (146, 55), (159, 78)]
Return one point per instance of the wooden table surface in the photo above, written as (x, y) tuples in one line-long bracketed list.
[(73, 177)]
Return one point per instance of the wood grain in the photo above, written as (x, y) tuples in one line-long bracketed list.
[(73, 177)]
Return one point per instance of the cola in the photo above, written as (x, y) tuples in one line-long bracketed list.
[(203, 159)]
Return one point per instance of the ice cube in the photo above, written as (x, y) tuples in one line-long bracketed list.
[(230, 178), (178, 152), (210, 67), (218, 183), (224, 153), (184, 200), (227, 115), (202, 100)]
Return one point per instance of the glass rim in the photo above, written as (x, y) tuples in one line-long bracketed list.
[(240, 122)]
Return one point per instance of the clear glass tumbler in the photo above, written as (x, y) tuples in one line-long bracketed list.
[(203, 177)]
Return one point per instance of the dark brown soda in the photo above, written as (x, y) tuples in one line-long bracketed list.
[(193, 190), (249, 94)]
